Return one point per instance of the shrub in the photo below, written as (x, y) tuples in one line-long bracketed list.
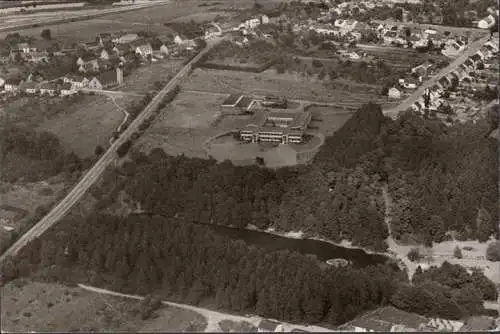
[(414, 255), (457, 252), (493, 252)]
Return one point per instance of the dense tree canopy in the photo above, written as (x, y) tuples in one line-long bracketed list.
[(189, 262)]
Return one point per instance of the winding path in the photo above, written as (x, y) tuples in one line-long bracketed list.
[(213, 317)]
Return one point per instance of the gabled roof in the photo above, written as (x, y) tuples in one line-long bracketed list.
[(13, 81), (66, 86), (232, 99), (48, 86), (383, 319)]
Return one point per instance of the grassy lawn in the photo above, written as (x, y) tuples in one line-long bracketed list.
[(142, 79), (327, 120), (86, 124), (47, 307)]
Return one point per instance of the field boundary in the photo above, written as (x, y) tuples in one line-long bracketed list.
[(251, 69)]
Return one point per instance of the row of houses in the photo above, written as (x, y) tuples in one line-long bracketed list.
[(463, 74), (391, 319), (67, 85)]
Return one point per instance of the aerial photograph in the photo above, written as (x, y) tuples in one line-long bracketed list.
[(249, 166)]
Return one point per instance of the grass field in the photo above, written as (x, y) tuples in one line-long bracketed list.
[(184, 125), (187, 127), (142, 79), (327, 120), (86, 124), (47, 307), (293, 86)]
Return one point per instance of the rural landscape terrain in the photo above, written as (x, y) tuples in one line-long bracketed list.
[(244, 166)]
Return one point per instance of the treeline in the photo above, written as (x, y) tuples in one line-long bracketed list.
[(448, 291), (190, 263), (429, 167), (41, 152)]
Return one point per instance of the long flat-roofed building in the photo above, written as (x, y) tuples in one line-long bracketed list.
[(276, 126)]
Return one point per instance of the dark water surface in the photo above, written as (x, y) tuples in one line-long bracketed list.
[(322, 250)]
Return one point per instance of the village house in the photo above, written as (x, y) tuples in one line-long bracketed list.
[(77, 81), (104, 54), (386, 319), (48, 88), (394, 93), (144, 50), (91, 46), (29, 87), (87, 65), (12, 85), (2, 82), (124, 39), (106, 80), (67, 89), (161, 52), (104, 64), (122, 49), (442, 325), (487, 22)]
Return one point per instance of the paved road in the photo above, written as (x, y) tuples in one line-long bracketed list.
[(79, 17), (407, 103), (61, 209), (110, 93)]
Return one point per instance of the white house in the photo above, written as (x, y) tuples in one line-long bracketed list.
[(127, 38), (77, 82), (394, 93), (144, 50), (104, 55), (12, 85), (354, 56), (2, 82), (486, 23), (29, 87)]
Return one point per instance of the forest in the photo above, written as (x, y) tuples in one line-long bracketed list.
[(181, 261), (426, 165), (448, 291), (191, 263)]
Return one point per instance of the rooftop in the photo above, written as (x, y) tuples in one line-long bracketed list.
[(268, 325), (383, 319), (232, 99)]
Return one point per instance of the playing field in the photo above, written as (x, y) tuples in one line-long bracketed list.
[(86, 124)]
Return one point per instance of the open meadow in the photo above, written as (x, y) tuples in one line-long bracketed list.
[(87, 124), (143, 79), (292, 86), (50, 307), (193, 125)]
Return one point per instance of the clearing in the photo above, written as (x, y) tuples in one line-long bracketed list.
[(327, 120), (49, 307), (193, 125), (87, 124), (143, 79), (292, 86)]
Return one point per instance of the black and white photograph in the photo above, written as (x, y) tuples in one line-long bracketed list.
[(249, 166)]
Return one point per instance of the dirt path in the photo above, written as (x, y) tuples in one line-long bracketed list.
[(213, 317), (473, 251)]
